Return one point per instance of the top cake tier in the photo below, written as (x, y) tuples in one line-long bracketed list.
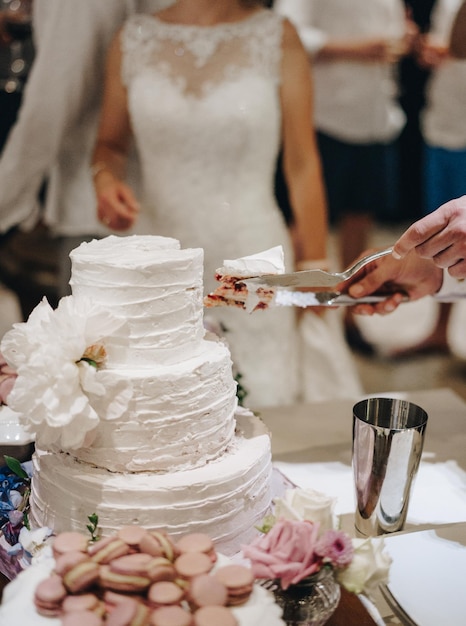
[(153, 285)]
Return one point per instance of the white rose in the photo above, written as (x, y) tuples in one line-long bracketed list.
[(307, 504), (369, 568), (36, 543)]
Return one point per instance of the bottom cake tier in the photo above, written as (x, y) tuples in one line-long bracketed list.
[(225, 498)]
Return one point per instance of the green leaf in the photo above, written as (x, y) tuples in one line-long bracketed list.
[(241, 392), (92, 527), (90, 361), (267, 523), (94, 519), (15, 467)]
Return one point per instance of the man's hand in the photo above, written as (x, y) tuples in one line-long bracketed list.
[(411, 277), (440, 236)]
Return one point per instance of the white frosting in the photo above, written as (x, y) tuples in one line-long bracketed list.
[(180, 416), (172, 460), (156, 289), (18, 601), (224, 498), (270, 261)]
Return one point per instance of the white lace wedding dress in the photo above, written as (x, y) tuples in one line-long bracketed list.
[(205, 112)]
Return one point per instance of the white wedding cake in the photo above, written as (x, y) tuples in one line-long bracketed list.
[(133, 405)]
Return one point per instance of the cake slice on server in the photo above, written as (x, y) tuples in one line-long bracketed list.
[(234, 289), (259, 281)]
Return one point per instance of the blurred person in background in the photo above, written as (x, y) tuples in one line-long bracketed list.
[(443, 125), (16, 57), (430, 256), (56, 128), (354, 47), (412, 84)]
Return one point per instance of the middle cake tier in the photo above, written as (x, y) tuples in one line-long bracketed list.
[(180, 415)]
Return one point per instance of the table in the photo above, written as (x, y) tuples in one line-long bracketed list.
[(322, 432)]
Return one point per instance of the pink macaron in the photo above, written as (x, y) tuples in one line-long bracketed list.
[(190, 564), (49, 595), (136, 564), (107, 549), (112, 599), (158, 543), (83, 602), (129, 613), (68, 560), (197, 542), (171, 616), (160, 569), (81, 577), (164, 593), (214, 616), (239, 581), (206, 590), (69, 542), (132, 535), (126, 583), (81, 618)]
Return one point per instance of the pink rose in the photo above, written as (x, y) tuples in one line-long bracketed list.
[(6, 385), (335, 547), (7, 379), (286, 552)]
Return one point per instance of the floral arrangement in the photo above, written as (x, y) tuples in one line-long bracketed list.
[(300, 539), (61, 390), (15, 481)]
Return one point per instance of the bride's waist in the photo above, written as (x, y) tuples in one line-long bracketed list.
[(183, 197)]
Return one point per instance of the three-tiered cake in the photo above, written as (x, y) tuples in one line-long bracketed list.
[(181, 456)]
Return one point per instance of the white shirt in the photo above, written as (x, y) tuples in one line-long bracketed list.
[(56, 128), (443, 120), (354, 101), (452, 289)]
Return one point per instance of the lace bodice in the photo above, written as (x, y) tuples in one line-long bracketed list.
[(197, 58)]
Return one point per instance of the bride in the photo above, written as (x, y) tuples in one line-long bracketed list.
[(210, 90)]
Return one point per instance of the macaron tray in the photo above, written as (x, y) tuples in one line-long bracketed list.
[(141, 578)]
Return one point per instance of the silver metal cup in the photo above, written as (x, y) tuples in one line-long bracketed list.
[(388, 436)]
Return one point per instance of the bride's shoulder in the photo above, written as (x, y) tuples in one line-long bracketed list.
[(290, 37)]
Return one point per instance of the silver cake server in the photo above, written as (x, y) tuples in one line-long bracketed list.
[(285, 297), (314, 278)]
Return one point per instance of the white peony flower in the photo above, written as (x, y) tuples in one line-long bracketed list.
[(307, 504), (368, 569), (60, 397)]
